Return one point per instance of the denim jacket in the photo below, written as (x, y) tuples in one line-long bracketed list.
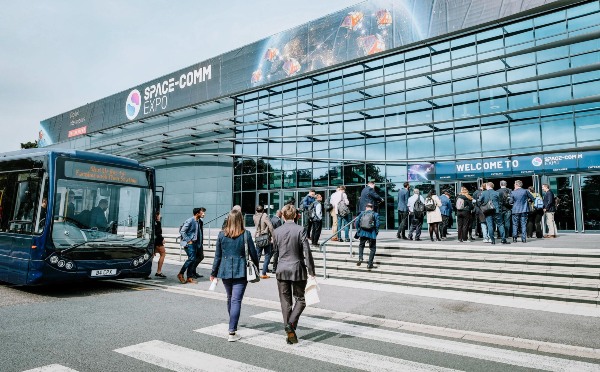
[(230, 259)]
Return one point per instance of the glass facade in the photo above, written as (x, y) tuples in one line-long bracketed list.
[(517, 88)]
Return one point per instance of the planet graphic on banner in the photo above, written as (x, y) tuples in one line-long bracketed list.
[(133, 104), (537, 161)]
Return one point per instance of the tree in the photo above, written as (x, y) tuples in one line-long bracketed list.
[(29, 145)]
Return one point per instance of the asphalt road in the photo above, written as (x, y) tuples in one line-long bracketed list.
[(154, 324)]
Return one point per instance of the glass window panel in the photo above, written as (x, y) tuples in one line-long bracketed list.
[(490, 66), (582, 22), (585, 59), (463, 72), (463, 52), (585, 89), (553, 53), (237, 183), (583, 9), (375, 172), (519, 38), (418, 94), (549, 18), (354, 174), (492, 79), (555, 82), (289, 179), (521, 60), (495, 139), (585, 46), (396, 173), (519, 101), (420, 147), (558, 131), (525, 135), (551, 30), (520, 73), (588, 127), (274, 180), (444, 144), (468, 141), (554, 95), (465, 84), (354, 152), (249, 182), (395, 150)]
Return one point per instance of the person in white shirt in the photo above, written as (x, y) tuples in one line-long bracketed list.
[(339, 220), (416, 216)]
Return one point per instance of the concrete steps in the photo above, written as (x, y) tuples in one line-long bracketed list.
[(570, 275)]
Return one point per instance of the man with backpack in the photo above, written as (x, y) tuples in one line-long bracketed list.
[(416, 208), (367, 228), (305, 206), (316, 217), (504, 195), (341, 210)]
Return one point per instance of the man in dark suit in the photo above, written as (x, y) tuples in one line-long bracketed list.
[(492, 218), (98, 218), (403, 211), (295, 259), (276, 221), (199, 245), (369, 196), (190, 233), (549, 209), (520, 209)]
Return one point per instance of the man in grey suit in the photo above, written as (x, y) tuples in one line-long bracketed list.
[(295, 259)]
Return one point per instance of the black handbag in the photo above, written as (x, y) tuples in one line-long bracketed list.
[(488, 208), (262, 240)]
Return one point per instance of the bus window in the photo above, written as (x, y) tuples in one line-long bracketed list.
[(25, 203), (43, 209), (7, 199)]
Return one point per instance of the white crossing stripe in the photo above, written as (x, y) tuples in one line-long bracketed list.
[(177, 358), (488, 353), (52, 368), (323, 352)]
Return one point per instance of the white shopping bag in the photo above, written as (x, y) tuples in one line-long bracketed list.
[(311, 294)]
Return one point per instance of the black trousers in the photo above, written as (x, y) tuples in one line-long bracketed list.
[(288, 289), (534, 223), (317, 225), (464, 224), (444, 226), (372, 248), (402, 223), (308, 224)]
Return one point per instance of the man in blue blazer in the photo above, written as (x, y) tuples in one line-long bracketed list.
[(190, 235), (367, 234), (403, 211), (493, 217), (369, 196), (520, 200)]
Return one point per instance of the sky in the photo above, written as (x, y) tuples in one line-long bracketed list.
[(61, 54)]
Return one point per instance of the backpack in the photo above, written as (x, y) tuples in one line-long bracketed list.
[(505, 199), (460, 204), (312, 211), (301, 205), (430, 205), (419, 208), (327, 206), (342, 209), (538, 203), (367, 220)]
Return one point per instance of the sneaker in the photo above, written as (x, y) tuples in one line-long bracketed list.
[(192, 280), (359, 262), (371, 267), (181, 278), (160, 275), (233, 337), (347, 240)]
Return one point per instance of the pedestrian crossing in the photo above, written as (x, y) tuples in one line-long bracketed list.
[(331, 353)]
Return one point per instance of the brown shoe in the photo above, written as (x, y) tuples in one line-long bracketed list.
[(554, 236), (264, 277), (192, 280), (181, 278), (547, 236), (335, 240)]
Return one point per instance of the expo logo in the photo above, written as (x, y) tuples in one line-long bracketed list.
[(133, 104), (537, 161)]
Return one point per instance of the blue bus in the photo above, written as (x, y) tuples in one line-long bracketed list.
[(68, 215)]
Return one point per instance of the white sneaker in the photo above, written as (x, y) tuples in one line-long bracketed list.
[(234, 337)]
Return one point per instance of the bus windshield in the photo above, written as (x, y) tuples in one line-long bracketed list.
[(101, 216)]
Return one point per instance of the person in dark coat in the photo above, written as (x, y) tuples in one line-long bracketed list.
[(295, 265), (159, 246), (234, 244), (403, 211), (367, 235), (276, 221), (519, 199), (98, 218), (493, 218), (369, 196), (549, 209)]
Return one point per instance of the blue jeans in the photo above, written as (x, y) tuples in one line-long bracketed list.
[(341, 222), (235, 289), (268, 250), (519, 218), (496, 219), (188, 265), (505, 218)]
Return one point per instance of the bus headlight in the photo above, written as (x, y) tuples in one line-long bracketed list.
[(53, 260), (146, 256), (61, 263), (69, 265), (135, 262)]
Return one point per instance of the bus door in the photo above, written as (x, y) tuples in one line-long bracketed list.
[(23, 224)]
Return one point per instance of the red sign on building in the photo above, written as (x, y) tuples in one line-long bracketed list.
[(78, 131)]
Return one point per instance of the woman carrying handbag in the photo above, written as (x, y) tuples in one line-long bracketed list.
[(230, 266)]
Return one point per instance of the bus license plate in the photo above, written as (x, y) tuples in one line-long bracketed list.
[(104, 272)]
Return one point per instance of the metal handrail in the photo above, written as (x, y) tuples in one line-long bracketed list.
[(323, 249)]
